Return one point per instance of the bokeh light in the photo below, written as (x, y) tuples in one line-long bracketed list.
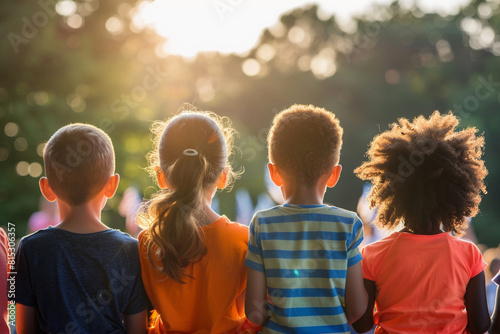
[(266, 52), (251, 67), (484, 11), (21, 144), (4, 154), (66, 8), (205, 89), (39, 149), (323, 64), (22, 168), (35, 169), (114, 25), (392, 77), (76, 102), (74, 21), (41, 98), (11, 129)]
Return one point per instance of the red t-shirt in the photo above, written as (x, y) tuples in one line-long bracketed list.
[(421, 282)]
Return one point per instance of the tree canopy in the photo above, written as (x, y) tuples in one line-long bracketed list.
[(93, 64)]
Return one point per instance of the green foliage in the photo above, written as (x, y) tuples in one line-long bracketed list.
[(397, 63)]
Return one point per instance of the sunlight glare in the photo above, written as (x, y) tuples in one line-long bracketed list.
[(235, 26)]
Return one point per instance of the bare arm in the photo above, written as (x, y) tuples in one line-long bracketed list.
[(255, 301), (365, 323), (136, 323), (356, 297), (26, 320), (477, 308)]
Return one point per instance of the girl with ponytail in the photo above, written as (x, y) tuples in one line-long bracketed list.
[(192, 258)]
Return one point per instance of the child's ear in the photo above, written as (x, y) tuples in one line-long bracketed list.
[(111, 186), (160, 177), (334, 177), (222, 181), (46, 190), (275, 176)]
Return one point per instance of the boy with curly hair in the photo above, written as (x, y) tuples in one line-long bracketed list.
[(305, 254), (428, 177), (79, 276)]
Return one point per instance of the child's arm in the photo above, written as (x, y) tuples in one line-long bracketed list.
[(255, 300), (477, 307), (365, 323), (136, 323), (355, 293), (26, 321)]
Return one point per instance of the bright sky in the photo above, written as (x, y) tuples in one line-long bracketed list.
[(234, 26)]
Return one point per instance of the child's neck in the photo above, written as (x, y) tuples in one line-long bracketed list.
[(432, 232), (208, 215), (83, 218), (301, 194)]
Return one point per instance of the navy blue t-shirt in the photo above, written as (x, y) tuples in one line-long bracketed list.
[(80, 283)]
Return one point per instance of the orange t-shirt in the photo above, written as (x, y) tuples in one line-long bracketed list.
[(214, 300), (421, 282)]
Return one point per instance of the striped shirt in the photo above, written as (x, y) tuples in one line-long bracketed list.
[(304, 252)]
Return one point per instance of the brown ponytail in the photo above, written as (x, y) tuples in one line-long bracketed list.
[(192, 151)]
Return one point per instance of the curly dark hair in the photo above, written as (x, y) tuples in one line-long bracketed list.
[(426, 174), (305, 141)]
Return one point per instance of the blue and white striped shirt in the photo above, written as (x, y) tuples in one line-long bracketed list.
[(304, 252)]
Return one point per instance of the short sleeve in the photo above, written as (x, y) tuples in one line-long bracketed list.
[(24, 285), (477, 262), (138, 300), (366, 264), (254, 259), (353, 253)]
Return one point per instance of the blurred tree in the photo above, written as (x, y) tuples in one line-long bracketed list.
[(66, 62), (107, 69)]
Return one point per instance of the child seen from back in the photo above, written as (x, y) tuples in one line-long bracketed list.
[(192, 258), (428, 177), (304, 254), (79, 276)]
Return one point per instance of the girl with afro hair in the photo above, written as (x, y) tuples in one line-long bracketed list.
[(427, 179)]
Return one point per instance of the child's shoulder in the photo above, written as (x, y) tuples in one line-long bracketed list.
[(40, 236), (293, 213), (55, 235), (465, 245), (334, 210), (229, 229), (322, 209)]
